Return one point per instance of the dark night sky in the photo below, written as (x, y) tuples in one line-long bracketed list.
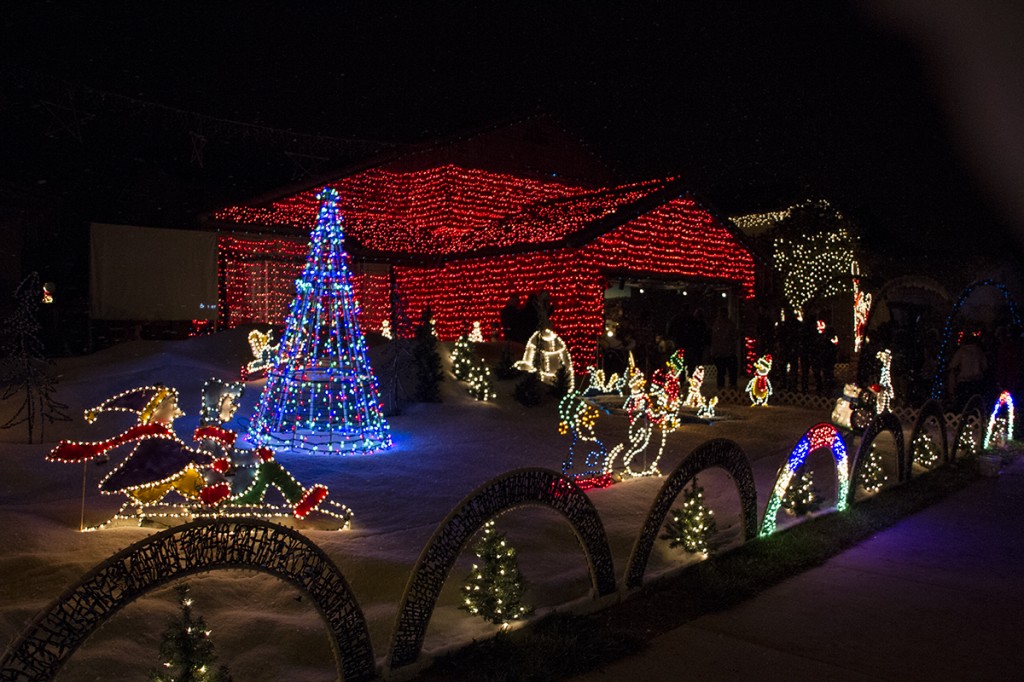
[(757, 105)]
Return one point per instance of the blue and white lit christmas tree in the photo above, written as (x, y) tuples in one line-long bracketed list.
[(322, 395)]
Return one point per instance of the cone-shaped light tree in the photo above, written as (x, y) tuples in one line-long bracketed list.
[(321, 394)]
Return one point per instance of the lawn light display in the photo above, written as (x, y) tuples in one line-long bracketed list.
[(819, 436), (659, 407), (157, 463), (759, 388), (462, 358), (872, 475), (693, 525), (693, 395), (999, 431), (321, 395), (385, 329), (545, 353), (475, 334), (576, 418), (926, 453), (494, 587), (861, 310), (885, 391), (264, 354)]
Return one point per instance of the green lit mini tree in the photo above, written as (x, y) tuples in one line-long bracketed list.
[(872, 476), (463, 357), (187, 653), (693, 525), (801, 497), (926, 453), (322, 395), (494, 587), (481, 382)]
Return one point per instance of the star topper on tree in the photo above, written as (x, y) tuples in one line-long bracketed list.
[(321, 393)]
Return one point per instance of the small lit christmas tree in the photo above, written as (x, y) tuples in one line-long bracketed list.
[(925, 452), (321, 394), (463, 356), (693, 525), (481, 383), (186, 650), (429, 374), (494, 587), (872, 476), (801, 496)]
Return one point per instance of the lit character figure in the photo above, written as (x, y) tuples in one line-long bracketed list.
[(264, 354), (577, 418), (159, 461), (545, 353), (385, 329), (885, 392), (759, 388), (842, 413), (707, 408), (240, 478), (693, 396), (663, 412), (861, 310), (476, 335), (637, 404)]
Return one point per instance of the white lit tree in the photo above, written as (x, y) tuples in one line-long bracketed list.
[(693, 525), (186, 650), (494, 587)]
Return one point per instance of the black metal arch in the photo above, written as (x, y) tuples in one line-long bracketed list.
[(205, 545), (886, 421), (504, 493), (973, 407), (719, 452), (932, 409)]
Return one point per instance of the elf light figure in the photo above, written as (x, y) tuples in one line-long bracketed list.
[(885, 392), (693, 396), (1000, 429), (552, 352), (385, 329), (476, 335), (577, 418), (759, 388), (321, 394)]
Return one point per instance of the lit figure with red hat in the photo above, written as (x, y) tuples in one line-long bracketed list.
[(240, 478), (158, 462), (759, 388)]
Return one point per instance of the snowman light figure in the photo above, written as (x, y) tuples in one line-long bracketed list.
[(759, 388)]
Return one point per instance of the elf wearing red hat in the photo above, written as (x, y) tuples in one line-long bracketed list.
[(159, 460)]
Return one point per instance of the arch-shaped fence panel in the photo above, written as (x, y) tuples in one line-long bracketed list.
[(932, 409), (885, 422), (817, 437), (719, 452), (508, 491), (205, 545)]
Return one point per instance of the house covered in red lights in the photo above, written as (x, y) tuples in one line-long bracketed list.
[(463, 227)]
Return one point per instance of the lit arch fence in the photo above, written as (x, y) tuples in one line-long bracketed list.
[(720, 453), (170, 555), (512, 490), (883, 423)]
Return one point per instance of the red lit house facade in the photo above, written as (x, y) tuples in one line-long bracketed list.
[(444, 230)]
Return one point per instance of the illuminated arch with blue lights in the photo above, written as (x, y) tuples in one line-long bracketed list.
[(817, 437), (942, 365), (1005, 401)]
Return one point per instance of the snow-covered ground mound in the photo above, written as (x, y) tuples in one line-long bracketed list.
[(262, 627)]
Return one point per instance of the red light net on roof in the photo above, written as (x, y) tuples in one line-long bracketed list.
[(449, 210)]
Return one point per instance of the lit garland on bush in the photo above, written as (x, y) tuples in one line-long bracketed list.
[(886, 392), (462, 358), (494, 587), (545, 353), (999, 431), (450, 211), (693, 525), (322, 395), (926, 453), (872, 475), (759, 388), (819, 436), (480, 380)]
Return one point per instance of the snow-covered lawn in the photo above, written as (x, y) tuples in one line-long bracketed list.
[(262, 627)]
